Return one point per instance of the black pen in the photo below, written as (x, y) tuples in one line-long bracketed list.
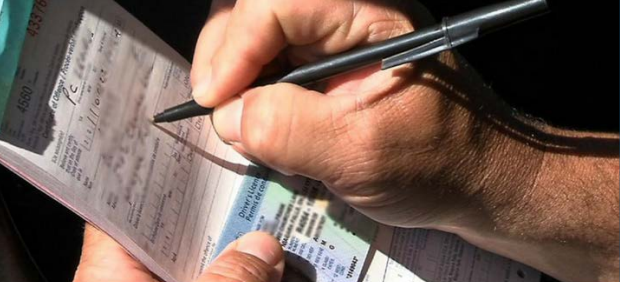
[(396, 51)]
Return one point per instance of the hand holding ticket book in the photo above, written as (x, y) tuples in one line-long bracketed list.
[(76, 125)]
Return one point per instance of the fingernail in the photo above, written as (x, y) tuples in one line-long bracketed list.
[(200, 92), (285, 171), (227, 120), (262, 247), (240, 149)]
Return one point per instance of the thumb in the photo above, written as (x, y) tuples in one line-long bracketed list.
[(288, 128), (255, 257)]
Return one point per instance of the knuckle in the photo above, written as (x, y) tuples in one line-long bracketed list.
[(264, 126), (194, 77)]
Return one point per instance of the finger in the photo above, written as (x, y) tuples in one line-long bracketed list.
[(210, 38), (255, 257), (256, 33), (289, 128), (253, 39), (103, 259)]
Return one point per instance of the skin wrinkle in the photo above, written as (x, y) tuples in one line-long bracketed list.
[(324, 158), (334, 131), (349, 176), (393, 28), (337, 131), (400, 148), (283, 151), (357, 125), (354, 9), (294, 122), (377, 200), (248, 265), (344, 27), (405, 144), (375, 107), (339, 175), (384, 197), (363, 171), (325, 41), (341, 123), (417, 152)]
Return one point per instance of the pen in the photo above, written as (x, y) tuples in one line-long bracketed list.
[(451, 32)]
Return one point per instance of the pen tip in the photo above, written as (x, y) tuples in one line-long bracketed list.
[(157, 118)]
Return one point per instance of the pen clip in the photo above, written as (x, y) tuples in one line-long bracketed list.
[(452, 37), (430, 48)]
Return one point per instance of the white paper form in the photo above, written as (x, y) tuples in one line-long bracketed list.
[(419, 255), (77, 126)]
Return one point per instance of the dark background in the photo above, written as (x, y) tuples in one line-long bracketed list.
[(556, 67)]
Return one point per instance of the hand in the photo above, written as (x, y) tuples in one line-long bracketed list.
[(391, 143), (421, 145), (255, 257)]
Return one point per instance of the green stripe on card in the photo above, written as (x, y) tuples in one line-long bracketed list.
[(14, 17)]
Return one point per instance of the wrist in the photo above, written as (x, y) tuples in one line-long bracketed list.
[(491, 168), (498, 176), (545, 197)]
